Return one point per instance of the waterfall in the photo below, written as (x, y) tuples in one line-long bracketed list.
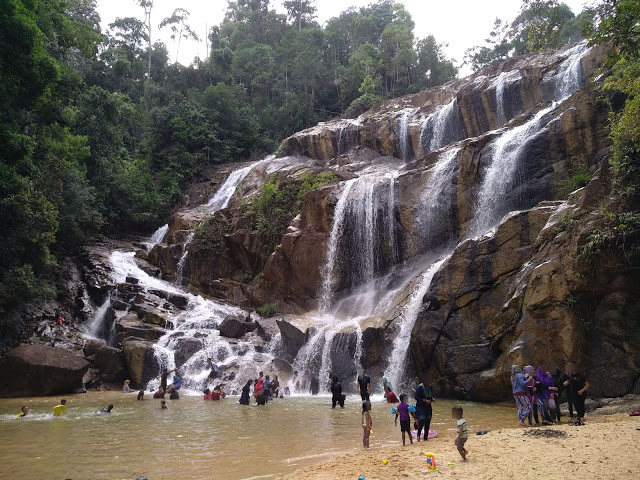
[(502, 176), (198, 323), (157, 237), (570, 76), (406, 321), (101, 324), (404, 138), (183, 259), (500, 100), (220, 199), (340, 136), (441, 127), (436, 202), (363, 238)]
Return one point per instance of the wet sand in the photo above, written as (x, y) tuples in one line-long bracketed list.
[(605, 448)]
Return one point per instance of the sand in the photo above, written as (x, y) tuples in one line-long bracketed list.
[(605, 448)]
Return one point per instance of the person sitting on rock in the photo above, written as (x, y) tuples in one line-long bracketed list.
[(126, 388), (177, 383), (163, 378)]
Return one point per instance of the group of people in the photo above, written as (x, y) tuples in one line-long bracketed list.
[(264, 390), (59, 409), (538, 391)]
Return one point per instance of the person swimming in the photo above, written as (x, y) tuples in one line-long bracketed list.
[(60, 408), (25, 412), (106, 409)]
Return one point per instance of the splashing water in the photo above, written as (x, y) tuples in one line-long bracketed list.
[(183, 259), (404, 139), (101, 325)]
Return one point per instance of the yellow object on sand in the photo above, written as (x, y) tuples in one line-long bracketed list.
[(384, 462), (59, 410)]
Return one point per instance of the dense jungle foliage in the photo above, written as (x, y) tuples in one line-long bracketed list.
[(100, 133)]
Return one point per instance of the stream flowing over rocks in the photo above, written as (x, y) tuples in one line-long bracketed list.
[(447, 245)]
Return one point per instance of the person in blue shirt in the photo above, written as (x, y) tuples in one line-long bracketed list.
[(519, 386), (176, 385)]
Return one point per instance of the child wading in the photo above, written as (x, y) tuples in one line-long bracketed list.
[(462, 432), (367, 422), (405, 420)]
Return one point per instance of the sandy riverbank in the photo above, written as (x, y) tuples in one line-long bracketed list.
[(607, 447)]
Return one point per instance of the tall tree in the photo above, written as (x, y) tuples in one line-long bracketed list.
[(300, 11), (147, 6), (179, 27)]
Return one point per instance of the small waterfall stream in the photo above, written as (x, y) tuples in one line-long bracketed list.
[(404, 137), (157, 236), (442, 127)]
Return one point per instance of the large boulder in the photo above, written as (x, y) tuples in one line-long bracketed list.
[(131, 326), (30, 370), (141, 361), (185, 348), (111, 363), (233, 326)]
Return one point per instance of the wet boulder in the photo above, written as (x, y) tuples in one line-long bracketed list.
[(111, 363), (30, 370), (131, 326), (295, 332), (233, 326), (141, 361), (185, 348), (92, 346)]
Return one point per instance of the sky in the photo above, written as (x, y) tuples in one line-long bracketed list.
[(459, 23)]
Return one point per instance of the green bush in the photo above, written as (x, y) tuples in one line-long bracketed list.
[(580, 178), (278, 202), (267, 310)]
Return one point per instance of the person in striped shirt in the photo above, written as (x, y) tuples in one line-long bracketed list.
[(462, 431)]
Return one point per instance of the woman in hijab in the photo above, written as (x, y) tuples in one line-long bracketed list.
[(545, 388), (520, 393)]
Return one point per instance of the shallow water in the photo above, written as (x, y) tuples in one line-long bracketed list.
[(198, 438)]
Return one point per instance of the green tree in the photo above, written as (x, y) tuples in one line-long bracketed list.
[(300, 11), (179, 27)]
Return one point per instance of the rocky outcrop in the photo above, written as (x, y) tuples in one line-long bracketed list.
[(525, 295), (111, 364), (30, 370)]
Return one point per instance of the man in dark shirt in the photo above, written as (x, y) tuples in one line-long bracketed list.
[(364, 385)]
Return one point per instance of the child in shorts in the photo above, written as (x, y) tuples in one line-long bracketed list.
[(402, 410), (461, 430)]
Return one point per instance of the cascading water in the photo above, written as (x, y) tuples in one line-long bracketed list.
[(404, 139), (157, 237), (570, 76), (503, 177), (363, 238), (433, 212), (101, 324), (197, 324), (405, 322), (220, 199), (441, 128), (500, 117), (183, 259)]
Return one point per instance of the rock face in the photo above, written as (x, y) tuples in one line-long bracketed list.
[(524, 295), (39, 370)]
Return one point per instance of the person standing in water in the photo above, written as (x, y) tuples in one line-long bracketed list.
[(367, 422), (363, 385), (424, 412), (336, 392), (244, 398)]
